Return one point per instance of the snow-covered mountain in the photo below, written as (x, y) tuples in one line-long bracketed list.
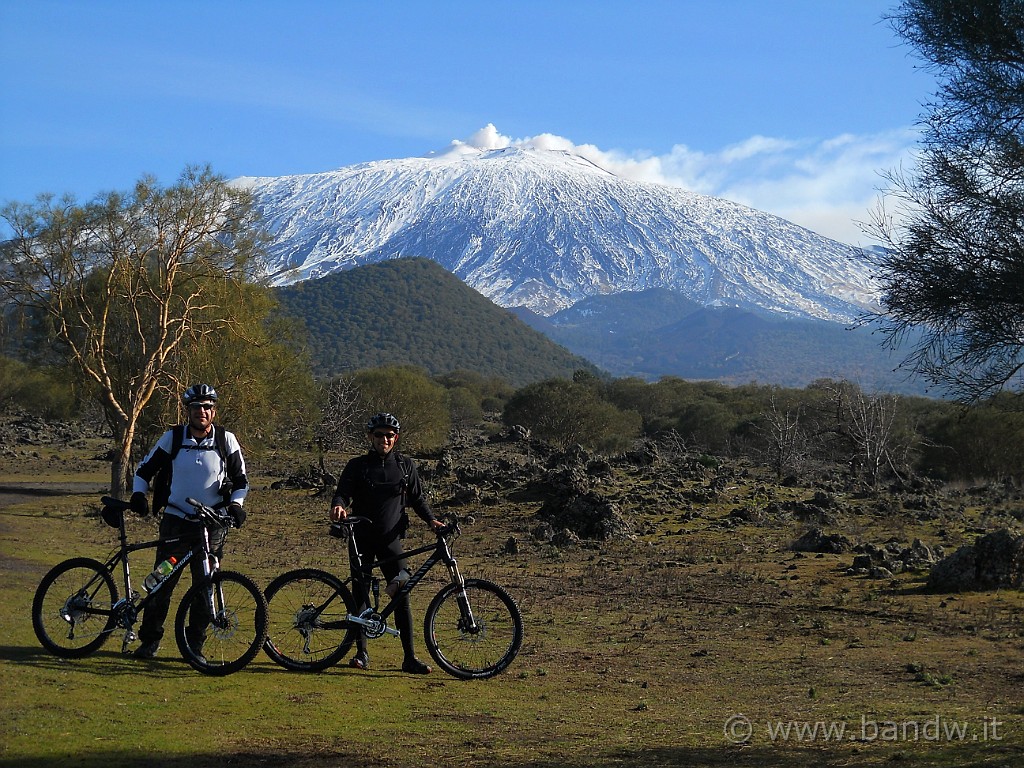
[(544, 229)]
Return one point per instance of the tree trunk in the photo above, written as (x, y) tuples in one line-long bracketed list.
[(121, 469)]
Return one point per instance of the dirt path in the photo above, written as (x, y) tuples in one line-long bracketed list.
[(18, 493)]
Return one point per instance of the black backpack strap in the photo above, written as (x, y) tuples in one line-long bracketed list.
[(220, 437), (405, 464), (177, 438), (162, 480)]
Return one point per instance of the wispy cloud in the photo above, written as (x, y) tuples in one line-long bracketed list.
[(829, 186)]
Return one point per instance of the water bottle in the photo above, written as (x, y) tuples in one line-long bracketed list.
[(158, 574)]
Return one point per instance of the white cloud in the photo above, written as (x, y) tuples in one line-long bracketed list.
[(829, 186)]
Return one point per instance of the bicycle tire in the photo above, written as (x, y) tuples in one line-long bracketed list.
[(61, 615), (238, 629), (479, 654), (308, 629)]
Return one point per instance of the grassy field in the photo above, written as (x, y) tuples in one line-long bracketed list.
[(697, 643)]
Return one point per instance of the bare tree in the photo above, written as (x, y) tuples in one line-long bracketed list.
[(784, 434), (869, 422), (340, 415), (124, 284)]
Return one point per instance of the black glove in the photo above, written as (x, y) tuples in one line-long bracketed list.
[(237, 513), (139, 504)]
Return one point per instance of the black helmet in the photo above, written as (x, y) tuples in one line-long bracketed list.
[(199, 393), (383, 420)]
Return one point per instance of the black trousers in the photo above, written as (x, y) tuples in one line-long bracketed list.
[(172, 526), (373, 547)]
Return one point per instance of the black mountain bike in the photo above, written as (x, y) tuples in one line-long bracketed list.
[(472, 627), (77, 607)]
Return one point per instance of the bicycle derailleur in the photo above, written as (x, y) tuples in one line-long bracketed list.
[(127, 614)]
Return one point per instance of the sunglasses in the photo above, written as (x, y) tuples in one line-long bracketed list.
[(204, 406), (387, 435)]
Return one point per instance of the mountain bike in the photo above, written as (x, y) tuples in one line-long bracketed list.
[(472, 628), (220, 624)]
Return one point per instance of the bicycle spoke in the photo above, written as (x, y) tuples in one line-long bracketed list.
[(475, 643), (71, 612), (222, 640), (307, 628)]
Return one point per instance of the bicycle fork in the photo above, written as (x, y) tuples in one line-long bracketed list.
[(467, 622), (214, 593)]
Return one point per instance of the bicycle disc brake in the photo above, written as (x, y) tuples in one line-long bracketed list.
[(224, 625)]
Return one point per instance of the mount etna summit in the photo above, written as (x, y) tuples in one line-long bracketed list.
[(642, 279), (543, 229)]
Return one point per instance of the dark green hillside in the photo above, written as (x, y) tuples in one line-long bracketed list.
[(414, 311)]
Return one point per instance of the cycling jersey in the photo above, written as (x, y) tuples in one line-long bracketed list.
[(197, 471), (380, 488)]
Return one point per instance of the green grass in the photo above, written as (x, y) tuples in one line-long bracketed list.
[(636, 653)]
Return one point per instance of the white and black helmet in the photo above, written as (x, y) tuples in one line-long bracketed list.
[(199, 393), (379, 420)]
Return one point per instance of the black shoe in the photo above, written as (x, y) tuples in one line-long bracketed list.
[(147, 650), (360, 661), (416, 667)]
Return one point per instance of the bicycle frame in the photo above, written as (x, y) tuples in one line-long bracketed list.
[(472, 627), (126, 610), (374, 623)]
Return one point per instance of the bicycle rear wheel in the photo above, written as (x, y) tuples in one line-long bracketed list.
[(229, 639), (71, 611), (477, 648), (308, 628)]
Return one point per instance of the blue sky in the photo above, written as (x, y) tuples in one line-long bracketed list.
[(791, 106)]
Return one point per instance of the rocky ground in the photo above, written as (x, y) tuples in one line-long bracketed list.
[(579, 499), (662, 589)]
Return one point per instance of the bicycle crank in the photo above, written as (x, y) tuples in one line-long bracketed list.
[(373, 625)]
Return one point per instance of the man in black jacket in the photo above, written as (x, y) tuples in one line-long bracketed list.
[(379, 485)]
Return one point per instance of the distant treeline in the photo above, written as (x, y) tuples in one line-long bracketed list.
[(877, 437)]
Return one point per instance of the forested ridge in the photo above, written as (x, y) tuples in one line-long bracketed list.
[(413, 311)]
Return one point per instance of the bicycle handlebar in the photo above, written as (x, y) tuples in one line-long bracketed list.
[(452, 529), (209, 515)]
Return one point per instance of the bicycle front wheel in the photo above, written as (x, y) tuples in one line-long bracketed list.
[(224, 640), (308, 628), (473, 633), (72, 612)]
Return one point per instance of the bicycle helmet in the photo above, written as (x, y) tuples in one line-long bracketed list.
[(383, 420), (199, 393)]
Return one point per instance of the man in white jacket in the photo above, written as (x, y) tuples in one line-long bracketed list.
[(198, 460)]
